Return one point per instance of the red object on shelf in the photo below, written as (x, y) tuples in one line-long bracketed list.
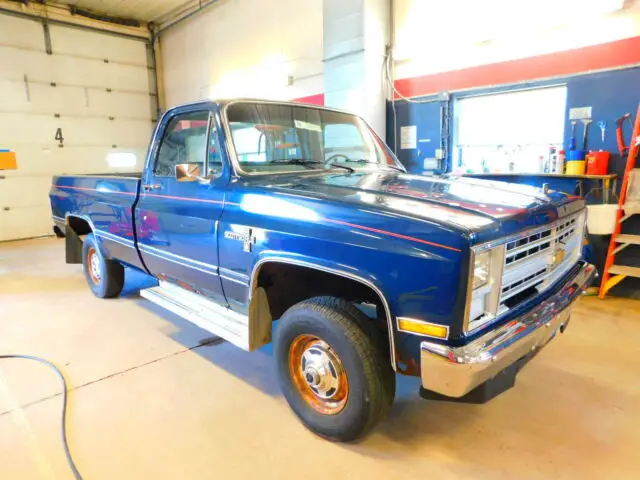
[(598, 163)]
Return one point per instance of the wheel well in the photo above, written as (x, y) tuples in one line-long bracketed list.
[(79, 225), (287, 284)]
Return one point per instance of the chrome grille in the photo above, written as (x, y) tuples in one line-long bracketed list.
[(537, 258), (526, 263)]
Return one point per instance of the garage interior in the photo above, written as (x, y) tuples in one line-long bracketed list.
[(532, 94)]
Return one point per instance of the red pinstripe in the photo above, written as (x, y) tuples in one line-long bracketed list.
[(329, 220), (83, 189), (392, 234)]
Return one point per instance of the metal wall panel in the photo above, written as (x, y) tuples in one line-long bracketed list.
[(100, 106), (245, 48)]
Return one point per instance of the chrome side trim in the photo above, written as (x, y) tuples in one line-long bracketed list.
[(256, 270), (178, 257), (57, 219), (228, 271), (119, 240), (243, 283), (109, 235), (168, 259)]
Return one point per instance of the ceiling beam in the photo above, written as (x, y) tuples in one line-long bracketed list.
[(181, 13), (59, 13)]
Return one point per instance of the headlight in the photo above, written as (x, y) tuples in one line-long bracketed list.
[(484, 297), (481, 265)]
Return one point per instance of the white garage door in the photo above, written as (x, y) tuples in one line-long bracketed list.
[(92, 91)]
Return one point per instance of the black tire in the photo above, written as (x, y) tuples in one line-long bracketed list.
[(109, 282), (369, 376)]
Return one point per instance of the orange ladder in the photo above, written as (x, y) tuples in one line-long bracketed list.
[(628, 205)]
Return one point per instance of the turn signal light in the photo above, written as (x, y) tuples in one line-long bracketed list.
[(422, 328)]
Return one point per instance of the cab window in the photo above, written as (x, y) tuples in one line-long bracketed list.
[(184, 141)]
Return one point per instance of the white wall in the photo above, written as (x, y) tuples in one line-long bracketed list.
[(83, 65), (433, 37), (245, 48)]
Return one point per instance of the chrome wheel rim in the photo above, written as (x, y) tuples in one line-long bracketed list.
[(95, 268), (318, 374)]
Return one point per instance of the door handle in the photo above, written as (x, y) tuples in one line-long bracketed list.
[(151, 186)]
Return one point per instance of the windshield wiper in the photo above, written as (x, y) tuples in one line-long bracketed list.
[(364, 160), (297, 161), (308, 163)]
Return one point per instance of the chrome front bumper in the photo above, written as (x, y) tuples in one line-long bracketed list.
[(455, 371)]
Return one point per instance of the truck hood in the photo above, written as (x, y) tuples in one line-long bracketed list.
[(483, 207)]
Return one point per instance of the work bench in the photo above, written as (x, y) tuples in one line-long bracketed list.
[(558, 181)]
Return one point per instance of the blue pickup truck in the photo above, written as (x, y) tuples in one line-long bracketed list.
[(252, 211)]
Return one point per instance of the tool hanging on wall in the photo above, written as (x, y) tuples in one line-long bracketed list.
[(622, 147), (603, 129), (572, 140), (585, 136)]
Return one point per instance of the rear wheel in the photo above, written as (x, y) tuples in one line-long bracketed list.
[(335, 376), (105, 277)]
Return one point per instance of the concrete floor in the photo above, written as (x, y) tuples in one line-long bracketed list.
[(149, 402)]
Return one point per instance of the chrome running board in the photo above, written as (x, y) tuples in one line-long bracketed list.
[(202, 312)]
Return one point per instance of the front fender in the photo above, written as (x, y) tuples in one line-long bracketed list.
[(329, 266)]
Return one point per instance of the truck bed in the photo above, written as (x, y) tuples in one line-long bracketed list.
[(106, 203)]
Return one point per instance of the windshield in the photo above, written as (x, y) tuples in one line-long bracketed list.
[(274, 138)]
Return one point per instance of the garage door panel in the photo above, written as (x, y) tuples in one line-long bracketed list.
[(25, 191), (95, 73), (25, 128), (82, 43), (59, 99), (45, 99), (28, 111), (36, 160), (27, 222), (124, 77), (120, 104), (13, 95), (22, 33), (28, 129), (128, 133), (67, 70), (17, 63), (95, 160), (70, 160)]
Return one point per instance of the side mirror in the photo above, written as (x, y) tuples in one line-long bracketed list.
[(188, 172)]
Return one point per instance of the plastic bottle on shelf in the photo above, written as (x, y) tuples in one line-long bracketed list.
[(553, 153), (558, 167)]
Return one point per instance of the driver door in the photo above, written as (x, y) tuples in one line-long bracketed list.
[(177, 218)]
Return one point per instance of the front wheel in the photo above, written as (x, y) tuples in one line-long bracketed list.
[(105, 277), (334, 376)]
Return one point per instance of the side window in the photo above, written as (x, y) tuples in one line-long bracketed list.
[(215, 157), (184, 141)]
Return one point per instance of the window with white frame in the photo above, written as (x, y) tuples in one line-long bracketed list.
[(508, 132)]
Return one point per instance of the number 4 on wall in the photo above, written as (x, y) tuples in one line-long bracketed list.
[(59, 137)]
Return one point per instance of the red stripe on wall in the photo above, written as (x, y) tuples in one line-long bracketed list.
[(597, 57), (313, 99)]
